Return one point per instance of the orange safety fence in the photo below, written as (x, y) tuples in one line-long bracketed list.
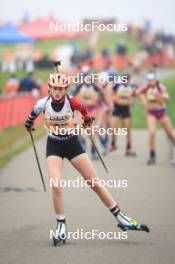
[(14, 110)]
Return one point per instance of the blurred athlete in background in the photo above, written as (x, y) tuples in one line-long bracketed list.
[(122, 97), (154, 97), (90, 94)]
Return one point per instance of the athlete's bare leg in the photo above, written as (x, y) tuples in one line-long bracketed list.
[(152, 131), (152, 135), (114, 124), (55, 165), (127, 124), (84, 165), (165, 121)]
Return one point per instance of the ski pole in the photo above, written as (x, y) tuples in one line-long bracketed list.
[(36, 156), (98, 153)]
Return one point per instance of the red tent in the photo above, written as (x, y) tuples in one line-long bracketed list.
[(40, 29)]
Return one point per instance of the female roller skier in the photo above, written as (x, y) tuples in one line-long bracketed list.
[(154, 97), (123, 96), (58, 109)]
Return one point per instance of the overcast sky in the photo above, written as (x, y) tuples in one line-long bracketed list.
[(161, 12)]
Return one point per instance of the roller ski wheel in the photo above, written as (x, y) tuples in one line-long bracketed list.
[(61, 236), (134, 228), (130, 153), (151, 161), (58, 242)]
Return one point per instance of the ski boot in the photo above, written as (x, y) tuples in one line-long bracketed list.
[(61, 234), (125, 223), (112, 147)]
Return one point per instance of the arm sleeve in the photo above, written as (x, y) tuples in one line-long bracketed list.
[(38, 108), (76, 104)]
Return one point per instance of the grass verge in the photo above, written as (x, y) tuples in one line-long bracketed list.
[(14, 140)]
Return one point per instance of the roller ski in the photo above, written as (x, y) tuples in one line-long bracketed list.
[(151, 161), (61, 234), (112, 148), (152, 158), (130, 153), (125, 223)]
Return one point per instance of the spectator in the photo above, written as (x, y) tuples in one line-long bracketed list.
[(27, 84), (12, 85), (121, 48), (106, 52)]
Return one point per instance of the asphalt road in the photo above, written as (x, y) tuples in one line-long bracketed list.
[(26, 212)]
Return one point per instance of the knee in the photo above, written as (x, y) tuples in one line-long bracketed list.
[(152, 134), (94, 184), (57, 191)]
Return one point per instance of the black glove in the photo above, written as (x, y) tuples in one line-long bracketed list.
[(28, 124), (88, 120)]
